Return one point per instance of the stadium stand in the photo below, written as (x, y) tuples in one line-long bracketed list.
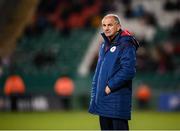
[(57, 39)]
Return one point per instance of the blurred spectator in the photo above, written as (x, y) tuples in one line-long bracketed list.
[(37, 27), (106, 6), (169, 5), (144, 42), (126, 2), (14, 87), (163, 60), (150, 19), (143, 96), (172, 5), (139, 11), (129, 11), (144, 61), (175, 30), (44, 58), (64, 88)]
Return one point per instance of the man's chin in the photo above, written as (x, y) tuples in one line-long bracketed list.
[(108, 35)]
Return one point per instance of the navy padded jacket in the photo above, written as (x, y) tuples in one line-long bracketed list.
[(115, 68)]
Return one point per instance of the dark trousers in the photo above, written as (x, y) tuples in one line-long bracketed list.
[(107, 123)]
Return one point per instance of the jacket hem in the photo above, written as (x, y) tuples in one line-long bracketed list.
[(110, 116)]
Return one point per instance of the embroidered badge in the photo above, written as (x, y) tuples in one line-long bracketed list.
[(113, 49)]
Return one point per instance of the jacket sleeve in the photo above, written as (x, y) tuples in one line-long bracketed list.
[(95, 79), (127, 68)]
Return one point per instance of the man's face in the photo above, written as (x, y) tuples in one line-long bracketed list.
[(110, 26)]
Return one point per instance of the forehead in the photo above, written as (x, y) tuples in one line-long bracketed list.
[(108, 19)]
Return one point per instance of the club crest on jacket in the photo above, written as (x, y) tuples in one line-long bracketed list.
[(113, 49)]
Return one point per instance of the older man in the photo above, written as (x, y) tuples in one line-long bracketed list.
[(112, 82)]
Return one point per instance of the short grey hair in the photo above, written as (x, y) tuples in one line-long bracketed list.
[(116, 17)]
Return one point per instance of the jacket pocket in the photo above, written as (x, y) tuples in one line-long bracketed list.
[(124, 103)]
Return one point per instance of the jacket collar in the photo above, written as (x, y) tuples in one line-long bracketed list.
[(120, 34), (113, 41)]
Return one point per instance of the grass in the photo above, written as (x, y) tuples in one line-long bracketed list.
[(155, 120), (81, 120)]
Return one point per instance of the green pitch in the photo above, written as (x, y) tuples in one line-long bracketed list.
[(81, 120)]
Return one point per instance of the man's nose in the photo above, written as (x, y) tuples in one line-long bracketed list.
[(106, 28)]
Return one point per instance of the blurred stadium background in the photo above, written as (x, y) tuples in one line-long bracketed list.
[(48, 54)]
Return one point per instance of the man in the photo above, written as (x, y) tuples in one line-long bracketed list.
[(112, 81)]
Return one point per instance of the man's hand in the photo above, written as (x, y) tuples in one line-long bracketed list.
[(107, 90)]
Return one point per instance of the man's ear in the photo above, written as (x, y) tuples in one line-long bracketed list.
[(118, 27)]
